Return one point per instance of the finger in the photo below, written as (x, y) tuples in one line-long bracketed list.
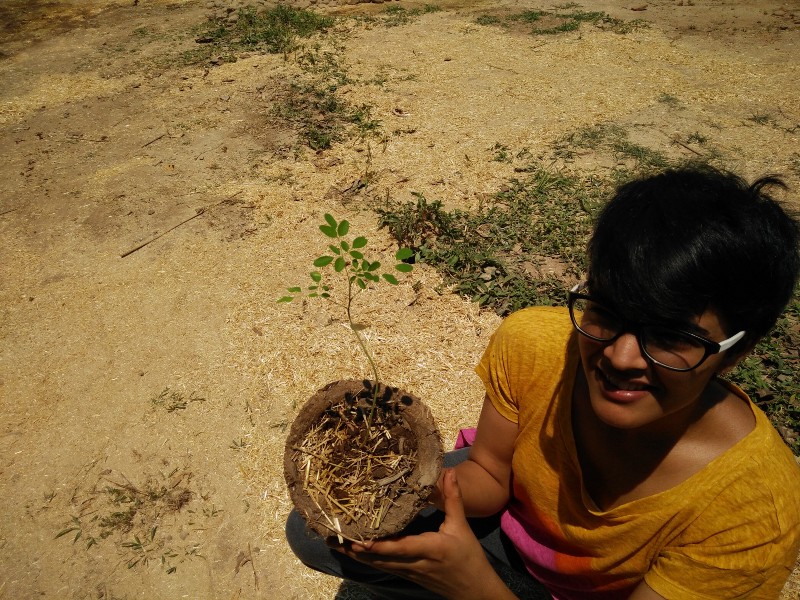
[(453, 502), (411, 546)]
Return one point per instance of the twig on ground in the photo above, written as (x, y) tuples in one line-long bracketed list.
[(154, 140), (199, 212)]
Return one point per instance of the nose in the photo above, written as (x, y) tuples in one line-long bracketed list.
[(625, 353)]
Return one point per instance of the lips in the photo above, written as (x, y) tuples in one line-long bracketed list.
[(618, 389)]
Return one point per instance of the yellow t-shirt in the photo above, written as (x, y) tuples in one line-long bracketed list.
[(731, 530)]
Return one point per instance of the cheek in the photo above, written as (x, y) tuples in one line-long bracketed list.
[(588, 349)]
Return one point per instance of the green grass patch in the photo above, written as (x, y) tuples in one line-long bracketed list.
[(562, 19), (513, 251), (769, 374), (395, 16), (274, 31), (313, 104)]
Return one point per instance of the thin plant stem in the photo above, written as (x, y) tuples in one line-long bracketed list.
[(363, 345)]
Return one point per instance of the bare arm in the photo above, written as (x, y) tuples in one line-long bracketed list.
[(485, 478)]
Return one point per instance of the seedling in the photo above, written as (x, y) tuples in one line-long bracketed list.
[(361, 458), (347, 258)]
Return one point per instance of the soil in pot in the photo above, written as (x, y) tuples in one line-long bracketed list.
[(359, 472)]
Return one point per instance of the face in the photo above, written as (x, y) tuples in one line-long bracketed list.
[(627, 391)]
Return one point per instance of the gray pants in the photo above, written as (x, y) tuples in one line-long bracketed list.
[(311, 549)]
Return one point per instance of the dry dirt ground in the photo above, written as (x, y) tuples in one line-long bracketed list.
[(144, 399)]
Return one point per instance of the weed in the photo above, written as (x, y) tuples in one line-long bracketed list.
[(394, 15), (239, 444), (669, 100), (768, 374), (128, 516), (697, 138), (172, 400), (761, 119), (613, 139), (313, 105), (496, 254), (273, 31), (501, 153), (563, 19), (488, 20)]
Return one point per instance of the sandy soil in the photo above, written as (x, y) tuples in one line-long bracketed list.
[(145, 398)]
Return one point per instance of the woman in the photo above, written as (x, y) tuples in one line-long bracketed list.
[(618, 461)]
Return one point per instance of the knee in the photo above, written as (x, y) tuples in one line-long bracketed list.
[(309, 547)]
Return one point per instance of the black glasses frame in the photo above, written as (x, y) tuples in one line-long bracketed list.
[(709, 346)]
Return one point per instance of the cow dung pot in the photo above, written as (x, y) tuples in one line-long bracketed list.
[(361, 460)]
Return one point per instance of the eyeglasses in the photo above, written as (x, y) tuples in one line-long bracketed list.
[(673, 349)]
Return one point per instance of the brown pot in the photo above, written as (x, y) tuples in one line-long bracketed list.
[(396, 494)]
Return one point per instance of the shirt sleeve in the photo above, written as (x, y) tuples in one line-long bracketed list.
[(528, 348), (493, 369)]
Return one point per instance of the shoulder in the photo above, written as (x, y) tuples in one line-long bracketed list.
[(753, 495), (536, 324)]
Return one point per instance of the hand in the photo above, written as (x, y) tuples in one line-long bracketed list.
[(449, 562)]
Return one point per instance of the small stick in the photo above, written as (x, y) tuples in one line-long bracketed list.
[(690, 149), (153, 141), (197, 214)]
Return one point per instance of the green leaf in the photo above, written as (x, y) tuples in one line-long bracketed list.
[(345, 246), (329, 231), (343, 228), (390, 278), (356, 254), (404, 267), (316, 276), (361, 284), (359, 242), (286, 299), (323, 261), (313, 295), (324, 295), (331, 221), (294, 290), (374, 266), (404, 253), (334, 249), (355, 265), (339, 265), (312, 288)]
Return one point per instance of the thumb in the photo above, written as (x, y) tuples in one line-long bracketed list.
[(453, 502)]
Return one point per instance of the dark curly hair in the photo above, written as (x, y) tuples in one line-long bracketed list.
[(668, 247)]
